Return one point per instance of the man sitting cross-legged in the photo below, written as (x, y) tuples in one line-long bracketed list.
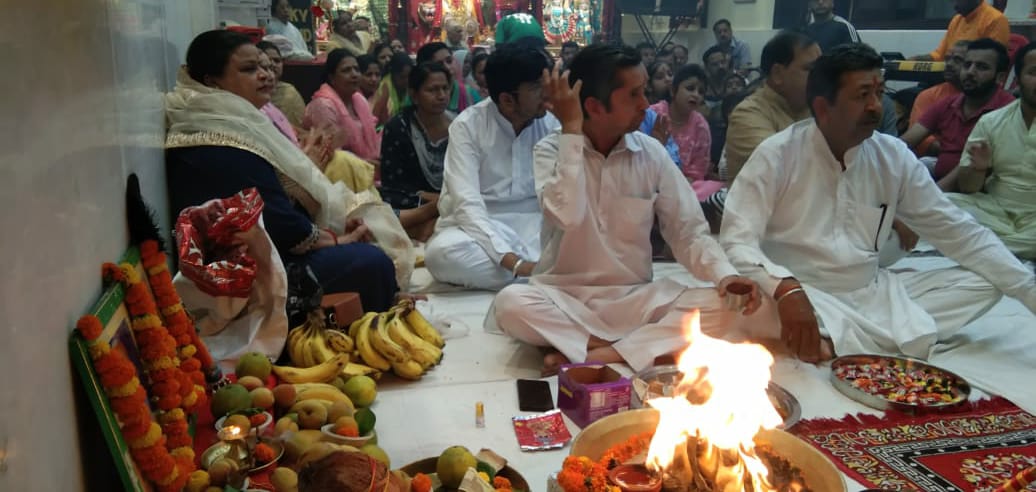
[(601, 184), (997, 173), (807, 215), (488, 230)]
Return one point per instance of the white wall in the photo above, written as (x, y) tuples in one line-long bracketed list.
[(81, 110)]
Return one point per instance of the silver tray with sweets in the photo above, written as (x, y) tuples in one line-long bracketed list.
[(907, 385), (657, 381)]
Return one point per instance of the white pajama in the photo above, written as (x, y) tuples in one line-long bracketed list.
[(595, 274), (795, 212), (488, 206)]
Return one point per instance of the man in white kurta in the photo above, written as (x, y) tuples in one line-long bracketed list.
[(594, 282), (489, 220), (806, 215)]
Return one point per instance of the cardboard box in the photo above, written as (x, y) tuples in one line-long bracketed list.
[(588, 391)]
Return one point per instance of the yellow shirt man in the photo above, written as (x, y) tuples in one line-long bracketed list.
[(983, 22)]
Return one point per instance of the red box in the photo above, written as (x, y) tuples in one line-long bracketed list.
[(589, 391)]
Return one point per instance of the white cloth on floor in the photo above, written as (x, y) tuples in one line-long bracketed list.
[(595, 276), (487, 207), (794, 212)]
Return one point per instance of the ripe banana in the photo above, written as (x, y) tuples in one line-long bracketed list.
[(367, 352), (355, 325), (410, 369), (320, 373), (423, 352), (354, 369), (383, 342), (300, 387), (294, 345), (420, 325), (332, 395), (338, 341), (318, 345)]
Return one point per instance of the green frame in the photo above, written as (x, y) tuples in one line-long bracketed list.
[(115, 318)]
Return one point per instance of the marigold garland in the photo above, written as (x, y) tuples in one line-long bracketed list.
[(191, 351), (581, 474), (129, 401)]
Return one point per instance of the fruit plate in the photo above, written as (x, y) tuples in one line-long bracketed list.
[(216, 451), (660, 381), (427, 466), (898, 383)]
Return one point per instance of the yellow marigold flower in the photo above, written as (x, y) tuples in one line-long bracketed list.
[(484, 476), (183, 452), (98, 349), (171, 310), (156, 269), (154, 433), (132, 276), (188, 351), (172, 415), (170, 478), (165, 362), (124, 390)]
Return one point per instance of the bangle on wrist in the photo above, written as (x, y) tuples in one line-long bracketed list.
[(514, 269), (788, 293), (334, 236)]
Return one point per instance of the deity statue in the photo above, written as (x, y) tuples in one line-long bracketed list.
[(584, 22), (558, 21), (424, 23)]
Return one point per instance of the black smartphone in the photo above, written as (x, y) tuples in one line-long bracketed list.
[(534, 396)]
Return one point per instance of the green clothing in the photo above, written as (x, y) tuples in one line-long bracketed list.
[(1007, 204), (517, 26)]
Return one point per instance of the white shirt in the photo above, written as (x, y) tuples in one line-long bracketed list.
[(299, 49), (793, 211), (598, 213), (488, 175)]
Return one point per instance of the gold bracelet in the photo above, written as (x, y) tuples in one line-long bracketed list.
[(788, 293)]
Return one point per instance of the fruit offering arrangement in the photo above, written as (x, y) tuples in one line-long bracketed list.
[(902, 382), (457, 468), (400, 340)]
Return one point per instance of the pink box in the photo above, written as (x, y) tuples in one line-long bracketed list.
[(588, 391)]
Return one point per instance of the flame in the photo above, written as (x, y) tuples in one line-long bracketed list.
[(722, 402)]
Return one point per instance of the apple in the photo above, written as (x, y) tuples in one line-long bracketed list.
[(312, 414)]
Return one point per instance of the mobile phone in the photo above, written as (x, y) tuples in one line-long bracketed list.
[(534, 396)]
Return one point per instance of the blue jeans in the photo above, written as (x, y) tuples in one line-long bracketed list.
[(356, 267)]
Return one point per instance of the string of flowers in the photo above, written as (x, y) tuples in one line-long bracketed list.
[(194, 356), (128, 400), (171, 389), (581, 474)]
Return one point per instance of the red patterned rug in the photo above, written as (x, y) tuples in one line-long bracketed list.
[(976, 450)]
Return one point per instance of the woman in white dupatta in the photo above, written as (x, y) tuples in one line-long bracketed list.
[(214, 123)]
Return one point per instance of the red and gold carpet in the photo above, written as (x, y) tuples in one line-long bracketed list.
[(978, 449)]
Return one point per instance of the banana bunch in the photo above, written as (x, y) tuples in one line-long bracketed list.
[(313, 343), (400, 340)]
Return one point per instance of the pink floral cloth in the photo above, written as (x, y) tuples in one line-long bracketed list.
[(691, 144), (355, 134)]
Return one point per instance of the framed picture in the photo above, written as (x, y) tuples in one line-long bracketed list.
[(115, 317)]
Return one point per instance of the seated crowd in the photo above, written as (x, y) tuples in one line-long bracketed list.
[(544, 179)]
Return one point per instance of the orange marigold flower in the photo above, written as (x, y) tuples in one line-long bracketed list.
[(90, 327), (501, 483)]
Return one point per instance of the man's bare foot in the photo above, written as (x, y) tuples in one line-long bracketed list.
[(411, 298), (604, 355), (552, 362), (666, 360)]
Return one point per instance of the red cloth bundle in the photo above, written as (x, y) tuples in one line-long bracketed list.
[(210, 255)]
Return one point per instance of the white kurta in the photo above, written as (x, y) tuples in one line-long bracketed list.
[(299, 48), (487, 207), (595, 275), (793, 211)]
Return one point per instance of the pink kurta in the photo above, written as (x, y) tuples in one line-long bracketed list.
[(355, 134), (693, 144)]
